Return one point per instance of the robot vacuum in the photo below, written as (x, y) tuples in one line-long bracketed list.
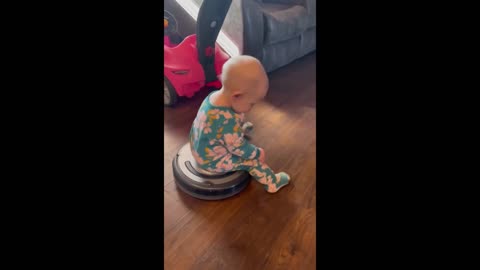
[(204, 185)]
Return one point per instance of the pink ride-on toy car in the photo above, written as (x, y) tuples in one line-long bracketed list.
[(195, 62)]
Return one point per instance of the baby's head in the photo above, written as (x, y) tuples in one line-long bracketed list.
[(244, 82)]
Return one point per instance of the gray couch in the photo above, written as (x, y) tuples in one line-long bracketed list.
[(275, 31)]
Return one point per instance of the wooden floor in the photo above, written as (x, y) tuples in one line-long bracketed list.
[(253, 230)]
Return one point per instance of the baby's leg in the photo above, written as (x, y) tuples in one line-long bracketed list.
[(264, 175)]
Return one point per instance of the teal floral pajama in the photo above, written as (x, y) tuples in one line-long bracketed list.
[(218, 145)]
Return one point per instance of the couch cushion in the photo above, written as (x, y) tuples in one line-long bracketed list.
[(308, 40), (283, 22), (311, 6), (286, 2), (280, 54)]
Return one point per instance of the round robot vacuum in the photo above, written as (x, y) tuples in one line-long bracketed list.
[(204, 185)]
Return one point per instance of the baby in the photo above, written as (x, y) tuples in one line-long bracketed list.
[(217, 136)]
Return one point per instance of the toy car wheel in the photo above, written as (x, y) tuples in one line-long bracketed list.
[(169, 94)]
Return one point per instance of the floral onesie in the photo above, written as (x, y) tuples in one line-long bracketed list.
[(218, 145)]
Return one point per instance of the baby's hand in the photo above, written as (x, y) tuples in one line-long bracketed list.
[(262, 156)]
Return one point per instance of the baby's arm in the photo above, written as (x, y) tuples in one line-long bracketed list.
[(242, 148), (235, 141)]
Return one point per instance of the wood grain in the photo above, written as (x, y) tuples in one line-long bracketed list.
[(254, 230)]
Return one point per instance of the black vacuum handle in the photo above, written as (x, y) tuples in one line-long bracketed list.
[(210, 19)]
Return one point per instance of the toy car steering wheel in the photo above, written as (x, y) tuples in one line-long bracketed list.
[(169, 23)]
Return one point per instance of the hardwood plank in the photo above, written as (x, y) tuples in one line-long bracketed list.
[(174, 212), (186, 242), (294, 245), (245, 241)]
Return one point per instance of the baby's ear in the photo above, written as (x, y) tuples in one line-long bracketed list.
[(237, 94)]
